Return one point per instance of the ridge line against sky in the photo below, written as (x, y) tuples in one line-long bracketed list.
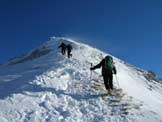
[(129, 30)]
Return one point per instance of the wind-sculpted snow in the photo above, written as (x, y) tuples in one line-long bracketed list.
[(53, 88)]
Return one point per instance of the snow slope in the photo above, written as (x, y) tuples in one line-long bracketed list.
[(44, 86)]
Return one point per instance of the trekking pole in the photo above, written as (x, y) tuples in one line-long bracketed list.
[(117, 81), (91, 73)]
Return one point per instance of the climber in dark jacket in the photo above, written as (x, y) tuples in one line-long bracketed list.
[(69, 49), (107, 73), (63, 48)]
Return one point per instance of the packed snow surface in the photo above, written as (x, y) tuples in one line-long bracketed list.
[(53, 88)]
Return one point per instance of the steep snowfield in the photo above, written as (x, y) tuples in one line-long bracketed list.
[(49, 87)]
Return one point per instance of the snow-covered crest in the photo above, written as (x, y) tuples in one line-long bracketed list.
[(44, 86)]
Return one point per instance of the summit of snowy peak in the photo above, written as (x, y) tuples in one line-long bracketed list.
[(56, 41), (43, 50), (45, 85), (51, 48)]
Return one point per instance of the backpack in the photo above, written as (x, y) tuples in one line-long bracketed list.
[(108, 63)]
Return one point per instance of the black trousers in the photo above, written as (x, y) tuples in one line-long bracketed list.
[(108, 81), (69, 53), (63, 51)]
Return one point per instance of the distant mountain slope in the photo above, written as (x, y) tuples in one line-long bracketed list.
[(44, 86)]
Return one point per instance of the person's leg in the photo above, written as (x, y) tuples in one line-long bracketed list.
[(106, 83), (69, 53), (110, 80), (62, 51)]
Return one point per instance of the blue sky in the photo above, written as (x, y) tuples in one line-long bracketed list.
[(128, 29)]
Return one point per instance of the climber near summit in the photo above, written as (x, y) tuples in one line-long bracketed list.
[(108, 69), (63, 48), (69, 49)]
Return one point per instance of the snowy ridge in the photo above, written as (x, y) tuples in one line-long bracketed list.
[(53, 88)]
